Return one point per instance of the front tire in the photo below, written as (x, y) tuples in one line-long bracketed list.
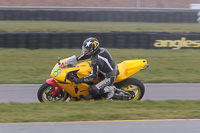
[(45, 94), (132, 85)]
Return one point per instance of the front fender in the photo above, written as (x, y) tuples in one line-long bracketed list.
[(56, 87)]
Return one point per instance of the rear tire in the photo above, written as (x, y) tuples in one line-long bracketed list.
[(133, 86), (45, 91)]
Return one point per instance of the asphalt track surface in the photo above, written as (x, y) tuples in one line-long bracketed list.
[(157, 126), (27, 93)]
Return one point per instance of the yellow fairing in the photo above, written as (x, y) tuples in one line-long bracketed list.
[(126, 68), (129, 67), (84, 69), (60, 73), (75, 90)]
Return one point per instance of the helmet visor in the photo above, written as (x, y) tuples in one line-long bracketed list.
[(85, 50)]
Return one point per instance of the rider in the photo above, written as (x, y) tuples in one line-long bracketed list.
[(102, 62)]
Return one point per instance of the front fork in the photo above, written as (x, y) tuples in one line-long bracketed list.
[(56, 87)]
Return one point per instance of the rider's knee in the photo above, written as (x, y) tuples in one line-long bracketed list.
[(93, 90)]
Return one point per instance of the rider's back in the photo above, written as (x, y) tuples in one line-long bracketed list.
[(105, 61)]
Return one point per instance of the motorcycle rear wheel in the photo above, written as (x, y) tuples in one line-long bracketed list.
[(45, 94), (132, 85)]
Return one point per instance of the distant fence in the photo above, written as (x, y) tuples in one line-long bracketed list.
[(138, 40), (101, 14)]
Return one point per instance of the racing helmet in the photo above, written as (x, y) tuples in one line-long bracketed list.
[(90, 46)]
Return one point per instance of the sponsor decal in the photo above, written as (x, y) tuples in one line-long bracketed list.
[(177, 44)]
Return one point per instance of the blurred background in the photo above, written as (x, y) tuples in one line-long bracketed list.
[(137, 23), (104, 3)]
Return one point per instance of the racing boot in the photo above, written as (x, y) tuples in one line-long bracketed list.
[(89, 97), (110, 90)]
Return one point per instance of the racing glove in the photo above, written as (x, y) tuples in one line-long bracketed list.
[(78, 81)]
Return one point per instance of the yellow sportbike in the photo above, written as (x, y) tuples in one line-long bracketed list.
[(61, 86)]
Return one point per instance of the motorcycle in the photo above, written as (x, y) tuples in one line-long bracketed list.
[(61, 86)]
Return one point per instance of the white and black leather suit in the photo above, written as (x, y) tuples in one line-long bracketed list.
[(102, 62)]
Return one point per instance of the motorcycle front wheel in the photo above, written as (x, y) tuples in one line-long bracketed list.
[(45, 94), (132, 85)]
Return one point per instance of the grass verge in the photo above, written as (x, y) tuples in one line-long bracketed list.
[(25, 26), (24, 66), (99, 110)]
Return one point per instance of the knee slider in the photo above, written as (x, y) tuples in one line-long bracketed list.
[(93, 90)]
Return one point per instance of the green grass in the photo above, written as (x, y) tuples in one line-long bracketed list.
[(99, 110), (24, 66), (24, 26)]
